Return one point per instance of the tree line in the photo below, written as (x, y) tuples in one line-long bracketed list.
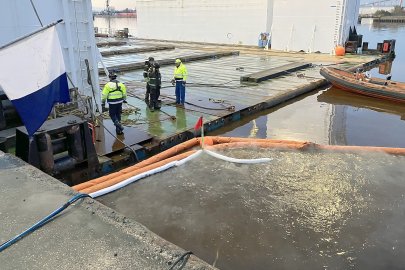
[(398, 11)]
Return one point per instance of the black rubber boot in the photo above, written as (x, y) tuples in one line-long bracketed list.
[(119, 128), (152, 105), (147, 99), (158, 105)]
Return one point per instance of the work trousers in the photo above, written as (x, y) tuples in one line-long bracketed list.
[(180, 92), (154, 96), (114, 111), (147, 93)]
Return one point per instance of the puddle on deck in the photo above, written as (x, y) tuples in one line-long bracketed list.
[(301, 211)]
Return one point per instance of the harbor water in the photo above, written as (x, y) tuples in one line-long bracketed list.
[(302, 210), (328, 116), (104, 23), (332, 116)]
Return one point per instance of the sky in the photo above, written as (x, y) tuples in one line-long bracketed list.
[(117, 4), (121, 4)]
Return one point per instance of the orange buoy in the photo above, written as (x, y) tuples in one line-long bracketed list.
[(340, 51), (207, 141)]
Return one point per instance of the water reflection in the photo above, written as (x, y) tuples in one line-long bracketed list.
[(154, 122), (302, 211), (105, 23), (181, 121), (330, 116), (106, 138), (334, 116), (336, 96), (378, 32), (118, 145)]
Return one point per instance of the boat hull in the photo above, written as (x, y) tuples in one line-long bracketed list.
[(346, 81)]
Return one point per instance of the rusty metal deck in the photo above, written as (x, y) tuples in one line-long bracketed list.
[(106, 144)]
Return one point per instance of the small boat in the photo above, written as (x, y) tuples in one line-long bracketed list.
[(358, 83)]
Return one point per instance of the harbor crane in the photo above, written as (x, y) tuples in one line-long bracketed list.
[(108, 11), (107, 6)]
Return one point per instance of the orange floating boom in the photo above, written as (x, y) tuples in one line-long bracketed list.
[(182, 151)]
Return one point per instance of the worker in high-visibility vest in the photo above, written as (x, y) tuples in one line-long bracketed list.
[(179, 78), (115, 93)]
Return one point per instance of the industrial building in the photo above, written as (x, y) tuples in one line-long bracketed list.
[(293, 25)]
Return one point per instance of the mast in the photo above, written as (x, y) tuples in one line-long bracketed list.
[(108, 16)]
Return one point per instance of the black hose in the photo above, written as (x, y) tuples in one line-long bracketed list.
[(191, 110), (213, 86), (185, 256), (202, 107), (221, 85), (172, 117)]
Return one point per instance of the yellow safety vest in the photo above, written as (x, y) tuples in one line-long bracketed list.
[(180, 72), (114, 92)]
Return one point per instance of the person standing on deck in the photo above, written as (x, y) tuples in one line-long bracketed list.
[(179, 78), (115, 93), (155, 82), (148, 65)]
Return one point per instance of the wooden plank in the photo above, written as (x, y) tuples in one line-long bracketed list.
[(170, 61), (274, 72), (137, 50)]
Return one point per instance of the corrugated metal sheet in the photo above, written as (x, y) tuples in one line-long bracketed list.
[(217, 21), (294, 25), (311, 26)]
